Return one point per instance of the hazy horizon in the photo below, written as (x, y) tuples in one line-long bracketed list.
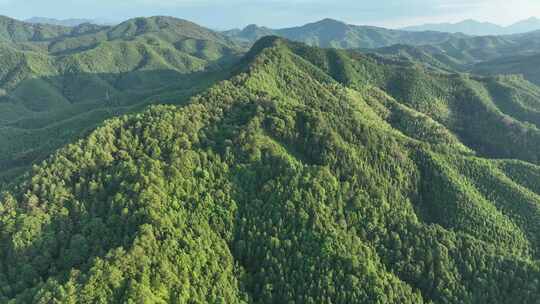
[(279, 13)]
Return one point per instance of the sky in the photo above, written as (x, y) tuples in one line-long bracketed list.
[(225, 14)]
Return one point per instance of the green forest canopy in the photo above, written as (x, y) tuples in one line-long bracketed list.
[(311, 175)]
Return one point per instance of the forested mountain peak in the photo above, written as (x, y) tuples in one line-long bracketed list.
[(328, 22), (251, 27), (310, 175), (66, 22), (67, 83), (163, 25), (158, 161)]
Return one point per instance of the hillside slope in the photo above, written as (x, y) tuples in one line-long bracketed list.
[(487, 55), (107, 59), (299, 180), (62, 22), (526, 65), (58, 82), (17, 31), (60, 87), (495, 116)]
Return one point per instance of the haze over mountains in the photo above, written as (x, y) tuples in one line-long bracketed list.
[(338, 34), (68, 22), (63, 22), (473, 27), (158, 161), (252, 32), (52, 75), (491, 55)]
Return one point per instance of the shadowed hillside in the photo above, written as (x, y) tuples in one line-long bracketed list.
[(526, 65)]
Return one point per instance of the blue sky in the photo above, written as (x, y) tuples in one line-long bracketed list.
[(222, 14)]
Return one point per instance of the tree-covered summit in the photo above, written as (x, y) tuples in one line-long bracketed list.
[(57, 86), (309, 176)]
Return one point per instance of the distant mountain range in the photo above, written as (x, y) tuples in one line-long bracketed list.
[(484, 55), (253, 32), (476, 28), (337, 34), (68, 22)]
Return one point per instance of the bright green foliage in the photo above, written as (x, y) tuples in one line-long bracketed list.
[(299, 180), (15, 31), (495, 116), (525, 65), (337, 34), (59, 84)]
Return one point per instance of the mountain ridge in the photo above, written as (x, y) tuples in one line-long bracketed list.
[(476, 28), (67, 84), (63, 22), (71, 22), (311, 175), (487, 55), (334, 33)]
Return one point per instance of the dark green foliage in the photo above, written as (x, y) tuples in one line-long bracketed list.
[(495, 116), (298, 180)]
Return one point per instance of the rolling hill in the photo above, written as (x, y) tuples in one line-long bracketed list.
[(526, 65), (336, 34), (72, 22), (58, 82), (285, 173), (469, 27), (12, 30), (52, 21), (310, 175), (487, 55), (476, 28)]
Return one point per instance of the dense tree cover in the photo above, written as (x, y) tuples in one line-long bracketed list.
[(12, 30), (490, 55), (477, 28), (60, 84), (518, 64), (280, 185), (495, 116), (487, 55)]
